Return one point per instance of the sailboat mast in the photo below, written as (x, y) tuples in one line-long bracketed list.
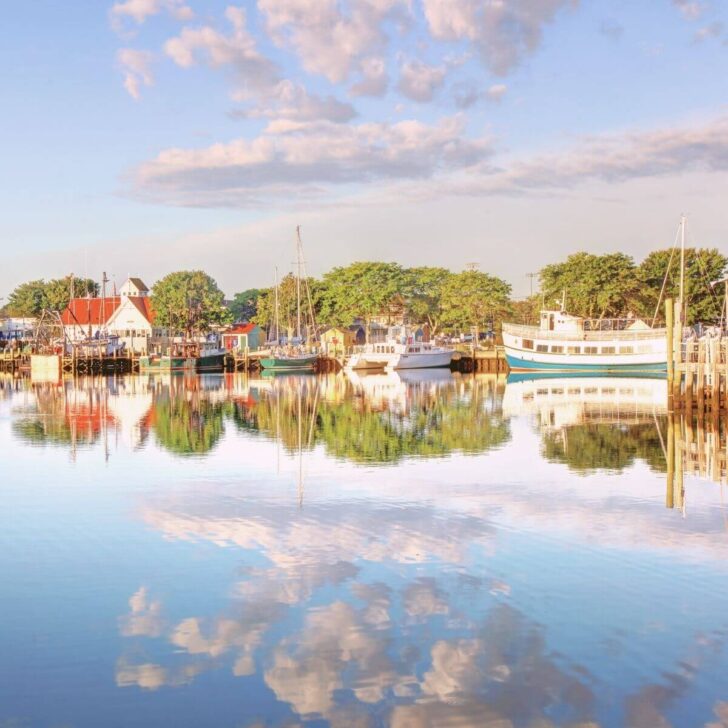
[(277, 315), (298, 282), (682, 269)]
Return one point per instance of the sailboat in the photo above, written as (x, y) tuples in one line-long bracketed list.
[(291, 358)]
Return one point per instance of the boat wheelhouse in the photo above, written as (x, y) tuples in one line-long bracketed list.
[(570, 343), (400, 351)]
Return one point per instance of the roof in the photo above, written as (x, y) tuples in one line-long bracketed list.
[(138, 283), (239, 329), (144, 305), (85, 311)]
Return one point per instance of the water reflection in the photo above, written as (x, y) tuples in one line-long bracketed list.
[(513, 566), (377, 419)]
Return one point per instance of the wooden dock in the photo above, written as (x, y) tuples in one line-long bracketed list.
[(697, 369)]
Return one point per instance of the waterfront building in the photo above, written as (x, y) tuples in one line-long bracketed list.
[(242, 336)]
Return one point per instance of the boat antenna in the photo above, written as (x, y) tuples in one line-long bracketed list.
[(563, 300), (298, 283)]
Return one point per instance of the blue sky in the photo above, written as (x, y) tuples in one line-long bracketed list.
[(151, 135)]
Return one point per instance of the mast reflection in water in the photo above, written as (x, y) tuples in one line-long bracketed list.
[(419, 550)]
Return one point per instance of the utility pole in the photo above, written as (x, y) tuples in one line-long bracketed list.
[(531, 276)]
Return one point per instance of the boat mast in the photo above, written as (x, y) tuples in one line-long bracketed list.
[(682, 269), (298, 283), (277, 315)]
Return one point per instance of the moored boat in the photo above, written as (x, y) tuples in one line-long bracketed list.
[(194, 359), (293, 362), (400, 351), (570, 343)]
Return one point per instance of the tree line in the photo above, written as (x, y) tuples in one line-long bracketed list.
[(596, 286)]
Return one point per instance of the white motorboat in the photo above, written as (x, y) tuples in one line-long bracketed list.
[(400, 352)]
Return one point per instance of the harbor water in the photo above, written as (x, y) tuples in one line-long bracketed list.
[(409, 550)]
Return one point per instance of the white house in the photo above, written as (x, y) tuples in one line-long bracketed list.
[(128, 316)]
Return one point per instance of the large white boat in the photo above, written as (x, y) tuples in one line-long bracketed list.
[(570, 343), (400, 351)]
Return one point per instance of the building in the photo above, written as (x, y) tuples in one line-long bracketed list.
[(128, 315), (338, 340), (17, 328), (239, 337)]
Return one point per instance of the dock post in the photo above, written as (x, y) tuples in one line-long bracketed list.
[(670, 354)]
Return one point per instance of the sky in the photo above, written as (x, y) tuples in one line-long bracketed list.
[(146, 136)]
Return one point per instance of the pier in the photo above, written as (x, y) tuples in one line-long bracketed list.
[(697, 369)]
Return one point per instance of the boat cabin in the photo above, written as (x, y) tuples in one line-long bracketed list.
[(561, 322)]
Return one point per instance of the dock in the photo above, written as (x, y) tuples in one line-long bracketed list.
[(697, 369)]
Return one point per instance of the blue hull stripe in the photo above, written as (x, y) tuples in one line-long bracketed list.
[(517, 364)]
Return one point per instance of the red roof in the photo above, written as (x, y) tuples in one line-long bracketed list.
[(97, 311), (84, 311), (240, 329), (144, 304)]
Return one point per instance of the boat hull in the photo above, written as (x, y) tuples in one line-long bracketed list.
[(207, 363), (519, 364), (288, 364), (529, 349), (428, 360)]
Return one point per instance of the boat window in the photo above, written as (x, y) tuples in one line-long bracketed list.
[(644, 349), (626, 350), (557, 349), (528, 343), (590, 390), (590, 349), (542, 347), (574, 390), (573, 350), (551, 322), (608, 350)]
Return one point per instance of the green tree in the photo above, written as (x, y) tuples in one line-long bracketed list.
[(189, 301), (363, 289), (596, 286), (244, 305), (472, 298), (287, 305), (30, 298), (702, 266), (424, 294)]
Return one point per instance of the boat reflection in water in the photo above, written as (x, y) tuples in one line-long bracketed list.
[(467, 552)]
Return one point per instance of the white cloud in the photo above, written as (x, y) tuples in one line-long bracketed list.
[(254, 73), (140, 10), (288, 100), (690, 9), (374, 79), (136, 67), (712, 30), (497, 91), (419, 82), (329, 36), (294, 156), (503, 32)]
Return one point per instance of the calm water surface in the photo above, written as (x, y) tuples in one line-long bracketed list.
[(410, 551)]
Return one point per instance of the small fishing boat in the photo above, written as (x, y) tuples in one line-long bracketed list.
[(293, 362), (192, 358)]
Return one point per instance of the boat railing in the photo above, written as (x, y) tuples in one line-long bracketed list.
[(535, 332)]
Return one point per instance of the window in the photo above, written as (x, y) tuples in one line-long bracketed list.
[(626, 350), (542, 347), (608, 350), (590, 349), (528, 343), (573, 350), (557, 349)]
